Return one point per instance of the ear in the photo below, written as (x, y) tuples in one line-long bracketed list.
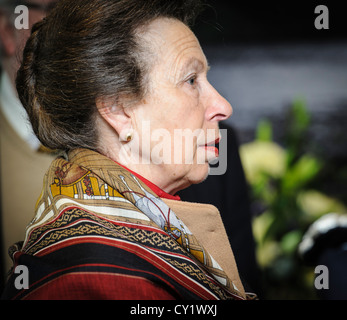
[(115, 115), (7, 35)]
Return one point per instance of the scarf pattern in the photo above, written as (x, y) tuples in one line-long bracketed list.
[(110, 200)]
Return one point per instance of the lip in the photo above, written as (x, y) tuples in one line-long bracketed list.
[(212, 143), (211, 148)]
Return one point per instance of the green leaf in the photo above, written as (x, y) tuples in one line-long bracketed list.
[(264, 130), (303, 171), (301, 116), (290, 241)]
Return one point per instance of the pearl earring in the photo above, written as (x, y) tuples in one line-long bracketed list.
[(129, 137)]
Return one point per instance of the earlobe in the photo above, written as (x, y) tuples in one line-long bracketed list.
[(113, 113)]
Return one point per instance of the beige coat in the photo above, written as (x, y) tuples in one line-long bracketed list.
[(21, 175), (205, 222)]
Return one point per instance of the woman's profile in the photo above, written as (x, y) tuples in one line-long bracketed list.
[(120, 87)]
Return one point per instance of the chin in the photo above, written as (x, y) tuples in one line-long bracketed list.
[(200, 173)]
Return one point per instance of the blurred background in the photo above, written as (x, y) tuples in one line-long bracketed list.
[(287, 83)]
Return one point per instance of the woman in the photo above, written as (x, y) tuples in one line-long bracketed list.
[(121, 87)]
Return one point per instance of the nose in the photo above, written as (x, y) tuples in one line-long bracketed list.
[(217, 107)]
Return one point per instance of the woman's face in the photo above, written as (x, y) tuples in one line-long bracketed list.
[(180, 113)]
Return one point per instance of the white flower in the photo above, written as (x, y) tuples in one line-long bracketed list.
[(262, 157)]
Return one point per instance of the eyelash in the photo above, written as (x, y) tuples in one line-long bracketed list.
[(193, 78)]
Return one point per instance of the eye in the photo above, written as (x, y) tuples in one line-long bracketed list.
[(192, 80)]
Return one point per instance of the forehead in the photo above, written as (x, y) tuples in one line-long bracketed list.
[(173, 42)]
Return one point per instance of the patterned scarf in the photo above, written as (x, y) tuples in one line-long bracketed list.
[(95, 183)]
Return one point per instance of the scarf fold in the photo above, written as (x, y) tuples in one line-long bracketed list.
[(95, 183)]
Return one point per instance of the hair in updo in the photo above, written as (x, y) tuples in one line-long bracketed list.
[(85, 49)]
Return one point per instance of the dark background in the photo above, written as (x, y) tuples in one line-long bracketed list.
[(227, 22)]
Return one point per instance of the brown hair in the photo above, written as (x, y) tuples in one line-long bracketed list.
[(85, 49)]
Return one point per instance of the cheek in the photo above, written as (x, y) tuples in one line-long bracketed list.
[(177, 113), (184, 102)]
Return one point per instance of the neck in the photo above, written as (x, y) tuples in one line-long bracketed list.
[(160, 175)]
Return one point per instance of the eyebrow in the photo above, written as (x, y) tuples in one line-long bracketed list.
[(194, 63)]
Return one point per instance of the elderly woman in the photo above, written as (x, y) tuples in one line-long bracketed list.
[(121, 88)]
